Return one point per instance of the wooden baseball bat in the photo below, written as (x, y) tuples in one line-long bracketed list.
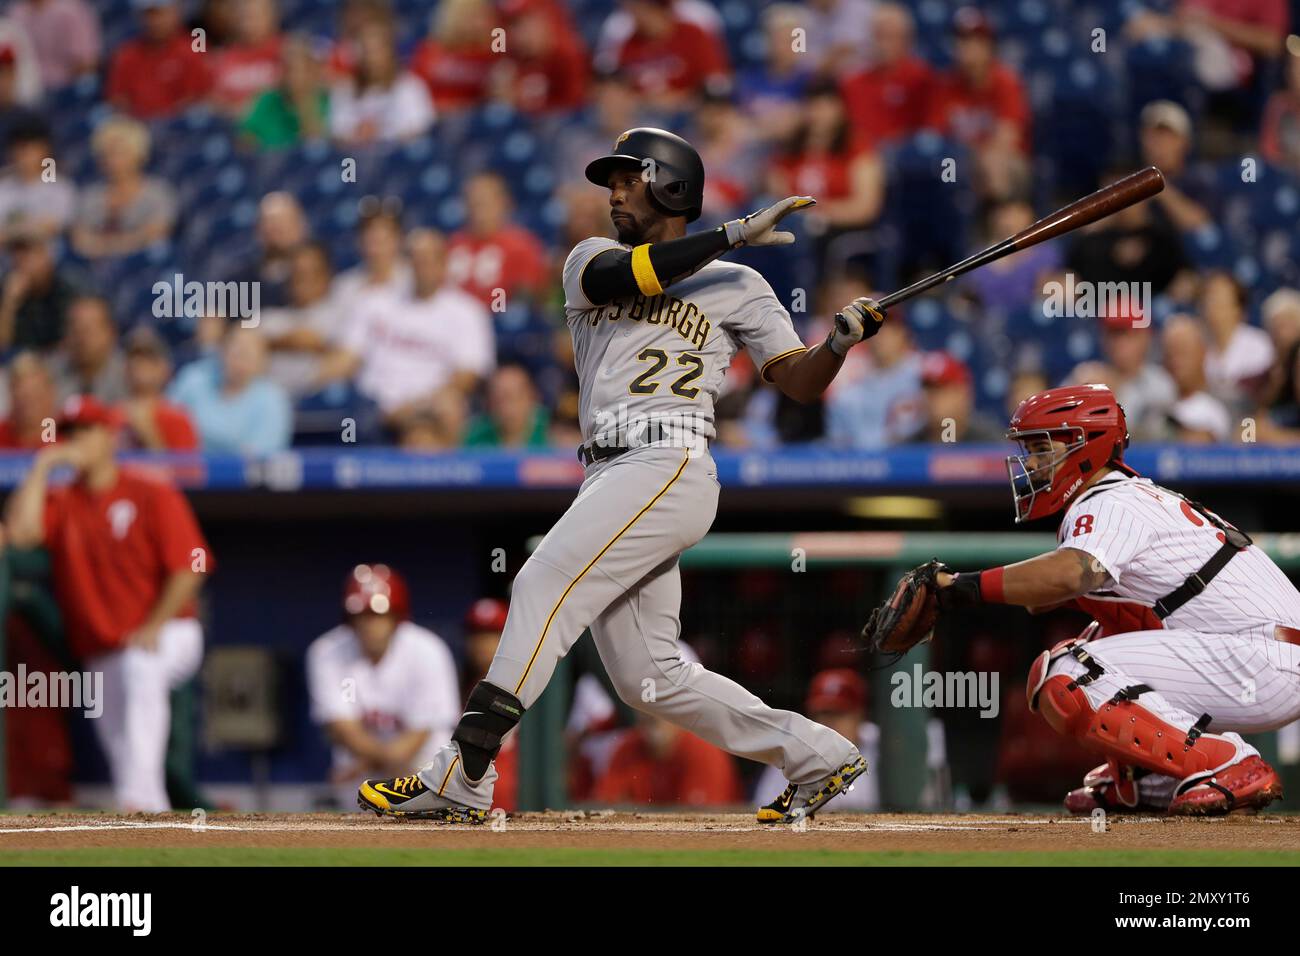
[(1105, 201)]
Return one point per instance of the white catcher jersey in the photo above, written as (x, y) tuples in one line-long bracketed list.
[(1150, 541), (662, 358), (413, 686)]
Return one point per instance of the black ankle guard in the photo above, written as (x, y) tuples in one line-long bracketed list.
[(490, 714)]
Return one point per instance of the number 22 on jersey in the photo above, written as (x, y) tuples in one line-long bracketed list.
[(658, 361)]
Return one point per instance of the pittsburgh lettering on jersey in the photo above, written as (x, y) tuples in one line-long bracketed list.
[(684, 318)]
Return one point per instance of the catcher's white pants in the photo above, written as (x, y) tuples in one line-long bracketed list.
[(1245, 684), (136, 719), (610, 563)]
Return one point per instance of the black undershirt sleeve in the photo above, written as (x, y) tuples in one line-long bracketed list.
[(608, 276)]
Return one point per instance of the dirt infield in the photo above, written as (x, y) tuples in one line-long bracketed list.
[(546, 837)]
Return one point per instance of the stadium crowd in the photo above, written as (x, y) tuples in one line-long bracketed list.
[(395, 185)]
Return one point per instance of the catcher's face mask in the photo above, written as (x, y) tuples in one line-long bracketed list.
[(1040, 480)]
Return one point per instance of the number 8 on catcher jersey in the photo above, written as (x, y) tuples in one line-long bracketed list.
[(661, 358)]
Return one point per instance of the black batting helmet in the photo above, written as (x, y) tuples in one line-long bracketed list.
[(676, 173)]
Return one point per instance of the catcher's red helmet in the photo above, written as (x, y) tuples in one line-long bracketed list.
[(376, 588), (485, 614), (1090, 422)]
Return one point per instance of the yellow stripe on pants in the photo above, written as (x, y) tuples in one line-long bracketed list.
[(558, 604)]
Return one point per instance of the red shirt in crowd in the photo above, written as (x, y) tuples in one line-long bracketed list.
[(457, 79), (970, 115), (683, 61), (551, 79), (151, 80), (511, 259), (242, 72), (11, 440), (557, 81), (113, 552), (1270, 14), (175, 427), (889, 101), (694, 774), (825, 175)]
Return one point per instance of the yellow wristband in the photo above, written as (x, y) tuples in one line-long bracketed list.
[(644, 272)]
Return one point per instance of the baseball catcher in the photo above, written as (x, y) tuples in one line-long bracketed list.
[(1197, 631)]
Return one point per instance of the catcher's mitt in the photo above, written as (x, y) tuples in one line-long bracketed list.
[(909, 616)]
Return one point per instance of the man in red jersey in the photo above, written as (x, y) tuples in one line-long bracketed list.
[(494, 258), (668, 58), (159, 72), (982, 104), (128, 562), (888, 99)]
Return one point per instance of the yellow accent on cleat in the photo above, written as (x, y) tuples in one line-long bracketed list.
[(374, 797)]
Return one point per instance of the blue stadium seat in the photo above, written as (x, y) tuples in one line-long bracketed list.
[(933, 217), (928, 323), (316, 417), (1159, 70), (1209, 248), (1072, 134)]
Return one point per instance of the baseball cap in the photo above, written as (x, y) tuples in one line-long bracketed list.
[(81, 411), (1168, 114), (839, 690), (486, 614), (940, 368), (971, 22)]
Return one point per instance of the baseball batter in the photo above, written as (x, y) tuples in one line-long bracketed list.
[(1201, 629), (655, 322)]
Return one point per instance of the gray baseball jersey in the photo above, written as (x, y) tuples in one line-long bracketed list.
[(662, 358), (610, 562)]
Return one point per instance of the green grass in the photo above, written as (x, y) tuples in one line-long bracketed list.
[(578, 856)]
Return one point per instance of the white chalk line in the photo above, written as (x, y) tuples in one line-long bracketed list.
[(578, 826)]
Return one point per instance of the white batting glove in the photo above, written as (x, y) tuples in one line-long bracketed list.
[(759, 228), (860, 319)]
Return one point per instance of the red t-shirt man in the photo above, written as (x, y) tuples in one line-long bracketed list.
[(113, 551), (175, 427), (457, 78), (685, 60), (889, 101), (11, 439), (151, 80), (548, 61), (242, 72), (511, 259), (971, 114), (825, 175)]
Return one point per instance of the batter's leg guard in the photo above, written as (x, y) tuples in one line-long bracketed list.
[(490, 714)]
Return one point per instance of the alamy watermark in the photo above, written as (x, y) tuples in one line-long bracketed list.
[(621, 428), (922, 688), (74, 690), (233, 300), (1081, 299)]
